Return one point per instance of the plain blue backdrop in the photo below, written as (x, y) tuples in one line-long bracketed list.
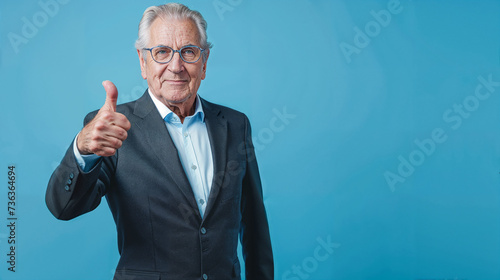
[(386, 145)]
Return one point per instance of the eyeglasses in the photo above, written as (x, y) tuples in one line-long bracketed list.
[(163, 54)]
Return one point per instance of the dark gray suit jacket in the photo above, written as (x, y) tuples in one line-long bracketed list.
[(161, 234)]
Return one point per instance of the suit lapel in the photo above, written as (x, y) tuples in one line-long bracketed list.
[(217, 134), (157, 136)]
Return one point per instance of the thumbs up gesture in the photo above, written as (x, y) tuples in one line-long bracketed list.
[(107, 131)]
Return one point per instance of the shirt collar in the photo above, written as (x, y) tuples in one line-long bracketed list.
[(170, 116)]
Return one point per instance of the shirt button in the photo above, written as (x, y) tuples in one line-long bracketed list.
[(202, 201), (185, 134), (203, 230), (205, 277), (193, 167)]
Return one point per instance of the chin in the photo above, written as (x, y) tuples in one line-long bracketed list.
[(178, 99)]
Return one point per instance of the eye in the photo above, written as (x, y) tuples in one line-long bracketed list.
[(188, 51), (161, 51), (162, 54)]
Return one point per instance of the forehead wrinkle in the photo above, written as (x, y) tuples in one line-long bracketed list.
[(174, 32)]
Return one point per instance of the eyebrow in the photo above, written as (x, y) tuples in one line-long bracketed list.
[(161, 45)]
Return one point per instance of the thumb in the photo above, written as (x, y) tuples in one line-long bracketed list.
[(111, 96)]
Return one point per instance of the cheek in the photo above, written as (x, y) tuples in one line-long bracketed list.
[(200, 74), (155, 70)]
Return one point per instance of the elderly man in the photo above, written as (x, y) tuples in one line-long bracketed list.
[(179, 173)]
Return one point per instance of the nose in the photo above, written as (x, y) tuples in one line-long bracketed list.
[(176, 65)]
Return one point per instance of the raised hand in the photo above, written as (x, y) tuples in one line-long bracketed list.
[(107, 131)]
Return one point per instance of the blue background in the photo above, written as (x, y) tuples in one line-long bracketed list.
[(353, 119)]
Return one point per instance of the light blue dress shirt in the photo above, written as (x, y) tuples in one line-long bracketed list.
[(192, 143)]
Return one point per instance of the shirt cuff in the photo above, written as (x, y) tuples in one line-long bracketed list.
[(86, 162)]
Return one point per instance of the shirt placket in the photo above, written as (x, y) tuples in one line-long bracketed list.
[(194, 170)]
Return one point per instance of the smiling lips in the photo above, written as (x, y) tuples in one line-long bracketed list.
[(176, 83)]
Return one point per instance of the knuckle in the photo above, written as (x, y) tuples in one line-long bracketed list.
[(106, 152), (100, 126), (122, 134), (96, 137), (128, 125), (125, 123), (94, 147), (106, 115), (117, 143)]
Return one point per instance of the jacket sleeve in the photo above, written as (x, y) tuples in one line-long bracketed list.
[(72, 192), (254, 230)]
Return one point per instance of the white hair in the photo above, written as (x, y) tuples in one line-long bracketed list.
[(171, 11)]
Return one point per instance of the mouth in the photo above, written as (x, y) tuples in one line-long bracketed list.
[(176, 82)]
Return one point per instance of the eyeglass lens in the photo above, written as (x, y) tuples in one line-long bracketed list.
[(164, 54)]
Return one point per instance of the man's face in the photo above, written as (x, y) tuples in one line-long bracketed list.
[(177, 81)]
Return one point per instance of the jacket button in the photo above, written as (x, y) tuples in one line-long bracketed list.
[(71, 175), (205, 277), (69, 182), (203, 231), (66, 188)]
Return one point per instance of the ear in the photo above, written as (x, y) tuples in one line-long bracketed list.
[(142, 62), (204, 69)]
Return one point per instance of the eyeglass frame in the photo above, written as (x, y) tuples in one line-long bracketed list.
[(174, 51)]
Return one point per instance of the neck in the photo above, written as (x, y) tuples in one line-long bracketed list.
[(182, 109)]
